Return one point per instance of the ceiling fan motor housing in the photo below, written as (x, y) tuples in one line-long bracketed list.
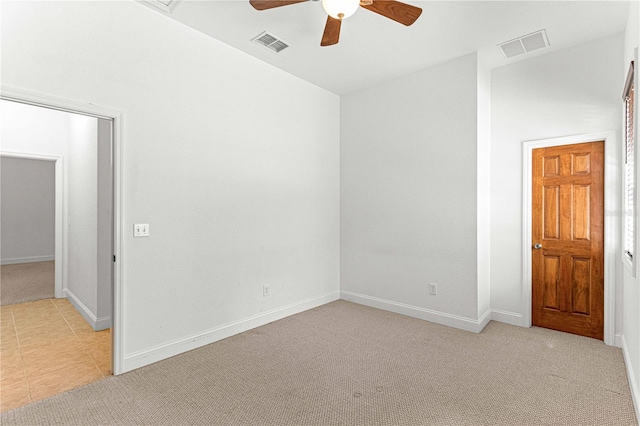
[(340, 9)]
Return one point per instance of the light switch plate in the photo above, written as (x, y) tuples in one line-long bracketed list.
[(141, 230)]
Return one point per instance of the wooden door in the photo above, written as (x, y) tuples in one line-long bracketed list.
[(568, 236)]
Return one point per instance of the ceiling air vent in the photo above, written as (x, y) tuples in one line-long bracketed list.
[(270, 42), (525, 44), (165, 6)]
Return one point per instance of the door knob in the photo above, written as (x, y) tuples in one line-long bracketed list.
[(537, 246)]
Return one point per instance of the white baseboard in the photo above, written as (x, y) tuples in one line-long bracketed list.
[(506, 317), (102, 323), (158, 353), (633, 384), (31, 259), (430, 315), (96, 323), (484, 320)]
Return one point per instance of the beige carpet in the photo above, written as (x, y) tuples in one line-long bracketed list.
[(26, 282), (345, 364)]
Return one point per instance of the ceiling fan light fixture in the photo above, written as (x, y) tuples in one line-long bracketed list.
[(340, 9)]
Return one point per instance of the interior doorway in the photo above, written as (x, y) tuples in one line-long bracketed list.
[(27, 223), (73, 344), (611, 225), (567, 255)]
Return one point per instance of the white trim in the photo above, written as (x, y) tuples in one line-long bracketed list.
[(51, 102), (97, 324), (483, 321), (633, 384), (619, 339), (161, 7), (176, 347), (60, 231), (80, 307), (86, 108), (31, 259), (506, 317), (443, 318), (117, 315), (102, 323), (611, 198)]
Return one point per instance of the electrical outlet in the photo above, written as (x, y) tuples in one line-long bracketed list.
[(141, 230), (265, 290), (433, 289)]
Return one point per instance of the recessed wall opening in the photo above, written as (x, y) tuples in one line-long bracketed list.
[(57, 247)]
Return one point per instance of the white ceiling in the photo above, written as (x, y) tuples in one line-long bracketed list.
[(374, 49)]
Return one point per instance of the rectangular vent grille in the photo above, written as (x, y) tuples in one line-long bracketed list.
[(270, 42), (525, 44)]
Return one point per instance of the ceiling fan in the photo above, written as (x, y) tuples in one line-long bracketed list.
[(338, 10)]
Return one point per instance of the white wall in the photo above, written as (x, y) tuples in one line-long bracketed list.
[(29, 130), (82, 286), (233, 163), (104, 236), (409, 191), (483, 151), (568, 92), (631, 320), (28, 210)]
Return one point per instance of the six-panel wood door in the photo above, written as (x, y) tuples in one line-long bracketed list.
[(567, 236)]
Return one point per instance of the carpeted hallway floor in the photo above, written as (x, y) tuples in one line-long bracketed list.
[(346, 364), (26, 282)]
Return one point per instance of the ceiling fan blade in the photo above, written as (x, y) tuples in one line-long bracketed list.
[(270, 4), (403, 13), (331, 34)]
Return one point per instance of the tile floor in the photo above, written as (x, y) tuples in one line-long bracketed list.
[(47, 348)]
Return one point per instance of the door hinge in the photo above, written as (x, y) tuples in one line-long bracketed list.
[(114, 257)]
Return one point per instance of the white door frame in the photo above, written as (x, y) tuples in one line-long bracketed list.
[(59, 234), (85, 108), (611, 222)]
